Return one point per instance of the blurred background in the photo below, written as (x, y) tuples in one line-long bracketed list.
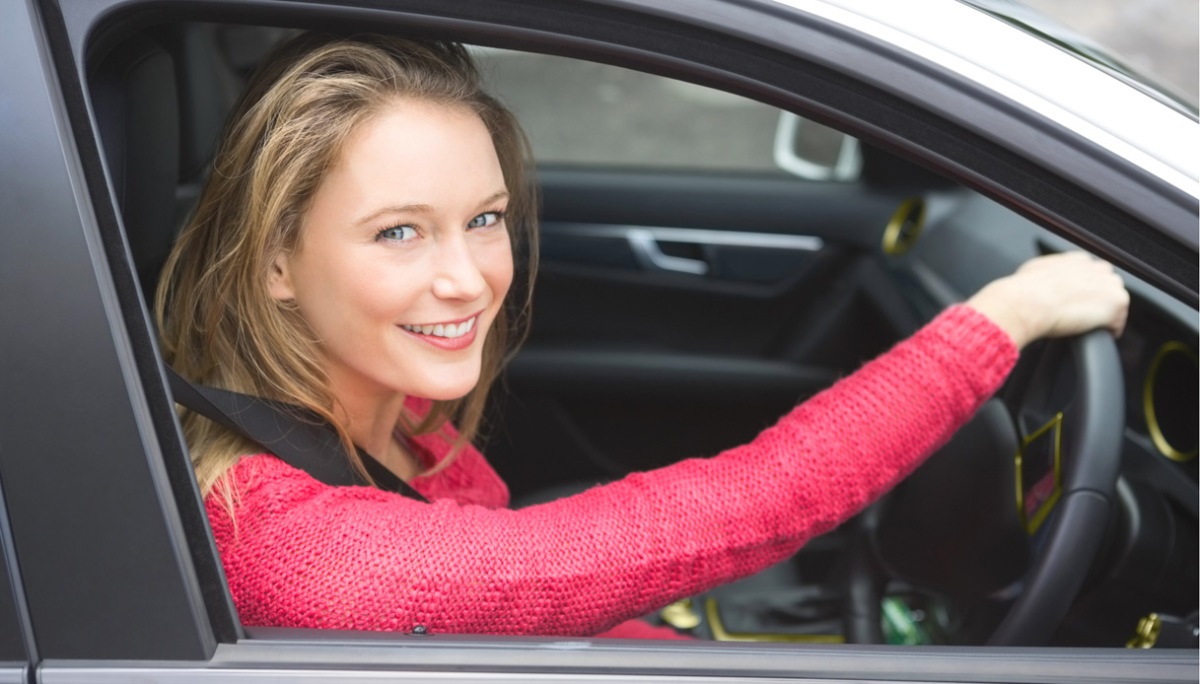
[(1156, 37)]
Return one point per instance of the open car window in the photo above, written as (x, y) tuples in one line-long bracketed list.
[(633, 276), (654, 231)]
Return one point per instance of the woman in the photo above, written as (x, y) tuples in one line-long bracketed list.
[(353, 253)]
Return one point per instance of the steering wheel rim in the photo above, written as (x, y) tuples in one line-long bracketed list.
[(1090, 467), (1069, 538)]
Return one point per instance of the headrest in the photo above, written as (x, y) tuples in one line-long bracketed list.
[(137, 110)]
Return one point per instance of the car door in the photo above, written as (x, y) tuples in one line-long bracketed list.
[(117, 564)]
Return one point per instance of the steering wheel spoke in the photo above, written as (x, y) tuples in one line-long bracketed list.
[(1041, 386)]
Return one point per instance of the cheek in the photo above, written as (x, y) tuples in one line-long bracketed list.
[(498, 269), (347, 294)]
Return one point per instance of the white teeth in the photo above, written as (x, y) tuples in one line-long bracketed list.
[(448, 330)]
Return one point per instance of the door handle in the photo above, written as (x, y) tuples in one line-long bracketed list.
[(650, 257)]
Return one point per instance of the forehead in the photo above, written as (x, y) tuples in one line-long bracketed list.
[(413, 151), (418, 128)]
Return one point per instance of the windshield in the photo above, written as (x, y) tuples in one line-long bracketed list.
[(1092, 31)]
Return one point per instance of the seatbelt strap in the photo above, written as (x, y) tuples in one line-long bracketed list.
[(295, 435)]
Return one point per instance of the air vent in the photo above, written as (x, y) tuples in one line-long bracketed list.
[(1169, 400)]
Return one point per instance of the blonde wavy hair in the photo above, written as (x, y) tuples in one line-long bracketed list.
[(218, 324)]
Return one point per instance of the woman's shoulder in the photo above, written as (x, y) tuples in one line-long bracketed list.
[(467, 479), (253, 470), (255, 476)]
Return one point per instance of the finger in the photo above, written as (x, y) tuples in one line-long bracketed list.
[(1118, 327), (1122, 316)]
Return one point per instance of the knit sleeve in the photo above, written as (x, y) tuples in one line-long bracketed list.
[(305, 554)]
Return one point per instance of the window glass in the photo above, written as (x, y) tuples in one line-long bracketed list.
[(583, 113)]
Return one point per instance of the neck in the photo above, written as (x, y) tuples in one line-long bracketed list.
[(371, 419)]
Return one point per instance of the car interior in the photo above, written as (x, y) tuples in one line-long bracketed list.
[(680, 311)]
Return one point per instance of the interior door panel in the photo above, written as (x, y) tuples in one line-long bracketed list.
[(677, 315)]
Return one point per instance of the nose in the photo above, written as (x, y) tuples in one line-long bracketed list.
[(458, 274)]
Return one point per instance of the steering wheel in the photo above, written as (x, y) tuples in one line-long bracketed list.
[(1015, 505)]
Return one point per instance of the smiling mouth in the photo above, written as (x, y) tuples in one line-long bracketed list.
[(449, 331)]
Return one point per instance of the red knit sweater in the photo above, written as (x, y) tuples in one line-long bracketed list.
[(305, 554)]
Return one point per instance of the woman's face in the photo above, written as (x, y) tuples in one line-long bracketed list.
[(404, 258)]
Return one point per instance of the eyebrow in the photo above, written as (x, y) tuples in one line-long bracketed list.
[(422, 208)]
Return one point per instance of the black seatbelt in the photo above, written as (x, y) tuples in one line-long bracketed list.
[(295, 435)]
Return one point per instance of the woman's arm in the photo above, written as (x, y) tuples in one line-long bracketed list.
[(305, 554)]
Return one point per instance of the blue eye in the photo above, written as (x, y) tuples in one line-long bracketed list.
[(400, 233), (486, 219)]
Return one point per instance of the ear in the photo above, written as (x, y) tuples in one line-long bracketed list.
[(279, 280)]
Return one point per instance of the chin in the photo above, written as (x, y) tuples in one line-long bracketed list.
[(446, 396), (446, 389)]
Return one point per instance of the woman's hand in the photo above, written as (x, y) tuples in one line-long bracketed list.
[(1055, 296)]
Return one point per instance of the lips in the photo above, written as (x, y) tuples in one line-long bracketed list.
[(450, 335), (447, 330)]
